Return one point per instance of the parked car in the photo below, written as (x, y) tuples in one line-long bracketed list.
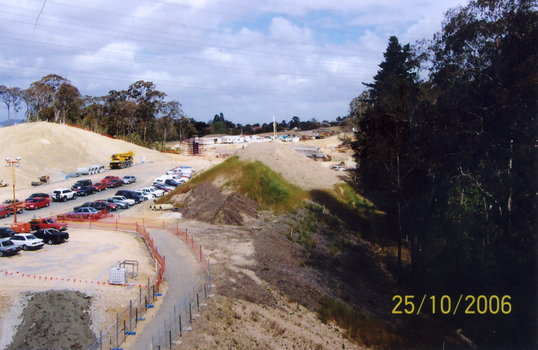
[(85, 190), (145, 195), (108, 178), (18, 205), (96, 205), (63, 194), (38, 195), (6, 232), (51, 235), (99, 186), (36, 224), (153, 190), (130, 195), (27, 241), (128, 179), (87, 213), (165, 188), (174, 182), (36, 203), (109, 206), (125, 200), (8, 248), (80, 183), (115, 183), (4, 212), (119, 203)]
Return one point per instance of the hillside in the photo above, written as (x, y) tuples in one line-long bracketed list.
[(61, 149)]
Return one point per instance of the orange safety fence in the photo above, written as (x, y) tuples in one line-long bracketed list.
[(113, 223)]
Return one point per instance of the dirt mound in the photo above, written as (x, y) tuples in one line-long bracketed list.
[(297, 169), (55, 150), (55, 320), (206, 203)]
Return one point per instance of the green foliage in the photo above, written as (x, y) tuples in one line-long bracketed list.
[(256, 181), (452, 161)]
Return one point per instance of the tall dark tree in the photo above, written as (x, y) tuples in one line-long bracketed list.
[(384, 144), (485, 69)]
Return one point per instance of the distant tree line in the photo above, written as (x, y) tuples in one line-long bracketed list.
[(139, 114), (452, 160)]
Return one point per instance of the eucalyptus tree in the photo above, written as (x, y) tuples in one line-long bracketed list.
[(12, 98)]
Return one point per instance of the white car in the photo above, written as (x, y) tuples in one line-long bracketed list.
[(63, 194), (123, 199), (128, 179), (27, 241), (338, 168), (146, 195), (153, 190)]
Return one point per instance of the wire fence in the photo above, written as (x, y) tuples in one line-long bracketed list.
[(179, 319), (185, 311)]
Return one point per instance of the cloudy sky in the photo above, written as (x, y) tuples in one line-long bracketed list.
[(247, 59)]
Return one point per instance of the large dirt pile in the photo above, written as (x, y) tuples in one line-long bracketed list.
[(55, 150), (55, 320), (296, 168), (206, 203)]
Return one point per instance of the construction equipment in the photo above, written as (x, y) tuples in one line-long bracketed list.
[(121, 160)]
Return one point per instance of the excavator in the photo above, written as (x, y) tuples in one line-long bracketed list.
[(121, 160)]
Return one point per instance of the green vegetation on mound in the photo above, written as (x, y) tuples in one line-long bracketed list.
[(272, 192), (254, 180)]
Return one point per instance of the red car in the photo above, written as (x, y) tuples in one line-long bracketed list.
[(36, 203), (100, 186), (4, 212), (114, 183), (110, 206), (109, 178)]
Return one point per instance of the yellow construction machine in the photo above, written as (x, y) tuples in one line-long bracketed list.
[(121, 160)]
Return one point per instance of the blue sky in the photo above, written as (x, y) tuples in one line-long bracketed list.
[(249, 60)]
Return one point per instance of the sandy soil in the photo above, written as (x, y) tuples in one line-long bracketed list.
[(77, 265), (249, 311)]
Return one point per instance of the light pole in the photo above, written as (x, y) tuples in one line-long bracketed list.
[(13, 164)]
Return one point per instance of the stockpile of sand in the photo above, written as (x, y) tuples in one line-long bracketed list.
[(297, 169), (55, 150)]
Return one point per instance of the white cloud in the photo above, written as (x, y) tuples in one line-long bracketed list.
[(247, 59)]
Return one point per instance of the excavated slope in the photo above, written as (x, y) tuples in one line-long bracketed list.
[(296, 168)]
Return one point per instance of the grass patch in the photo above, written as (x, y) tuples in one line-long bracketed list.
[(254, 180)]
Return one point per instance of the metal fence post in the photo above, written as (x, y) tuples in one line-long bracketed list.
[(130, 315), (117, 330)]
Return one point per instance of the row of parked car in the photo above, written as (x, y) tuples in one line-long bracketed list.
[(48, 230), (174, 177), (12, 242)]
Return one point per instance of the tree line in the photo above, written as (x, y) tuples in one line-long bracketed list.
[(138, 114), (446, 141)]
